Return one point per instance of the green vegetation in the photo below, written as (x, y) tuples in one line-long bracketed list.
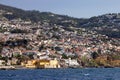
[(64, 56), (104, 22)]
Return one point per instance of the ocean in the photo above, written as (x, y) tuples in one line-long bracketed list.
[(61, 74)]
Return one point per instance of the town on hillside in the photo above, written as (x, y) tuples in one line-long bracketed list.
[(27, 44)]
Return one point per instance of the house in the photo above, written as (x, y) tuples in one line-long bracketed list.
[(43, 63), (14, 61), (49, 64), (71, 62), (30, 64), (2, 63)]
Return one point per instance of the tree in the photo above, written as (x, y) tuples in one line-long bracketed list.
[(64, 56), (94, 55)]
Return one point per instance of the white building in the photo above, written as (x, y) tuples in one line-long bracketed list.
[(71, 62), (2, 62)]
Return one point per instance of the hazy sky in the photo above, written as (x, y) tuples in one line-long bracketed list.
[(74, 8)]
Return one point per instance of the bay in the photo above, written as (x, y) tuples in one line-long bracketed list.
[(61, 74)]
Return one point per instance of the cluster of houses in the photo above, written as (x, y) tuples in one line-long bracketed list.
[(38, 64), (46, 46)]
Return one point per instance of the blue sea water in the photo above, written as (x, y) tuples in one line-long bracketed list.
[(61, 74)]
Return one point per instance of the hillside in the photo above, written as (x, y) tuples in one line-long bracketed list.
[(28, 35), (108, 24), (36, 16)]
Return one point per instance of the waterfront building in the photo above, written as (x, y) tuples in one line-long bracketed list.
[(43, 63), (2, 62)]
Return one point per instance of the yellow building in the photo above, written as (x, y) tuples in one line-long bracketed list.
[(42, 64), (31, 64), (49, 64)]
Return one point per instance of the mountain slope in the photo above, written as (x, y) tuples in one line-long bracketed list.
[(35, 16), (108, 24)]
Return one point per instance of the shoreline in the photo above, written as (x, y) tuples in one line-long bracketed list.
[(18, 67)]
